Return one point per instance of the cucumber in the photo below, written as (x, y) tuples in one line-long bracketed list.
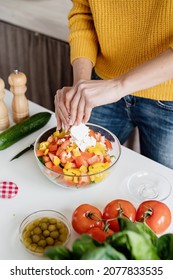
[(22, 129)]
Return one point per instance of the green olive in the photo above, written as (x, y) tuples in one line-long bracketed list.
[(54, 234), (27, 241), (37, 230), (50, 241), (42, 243), (58, 243), (36, 222), (26, 234), (46, 233), (35, 238), (63, 237), (43, 226), (32, 247), (39, 249), (52, 221), (51, 227), (44, 220), (30, 227), (63, 230), (59, 224)]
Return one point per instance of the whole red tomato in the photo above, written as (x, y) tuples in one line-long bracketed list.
[(118, 208), (155, 214), (99, 234), (85, 217)]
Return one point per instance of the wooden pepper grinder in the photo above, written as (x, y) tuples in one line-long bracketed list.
[(4, 119), (20, 105)]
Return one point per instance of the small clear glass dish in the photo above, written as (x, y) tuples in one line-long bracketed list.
[(145, 185), (43, 230)]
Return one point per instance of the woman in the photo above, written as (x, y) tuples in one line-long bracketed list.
[(127, 45)]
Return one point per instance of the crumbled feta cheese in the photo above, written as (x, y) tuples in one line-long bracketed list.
[(80, 136)]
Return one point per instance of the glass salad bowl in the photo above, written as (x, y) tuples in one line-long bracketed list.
[(81, 157)]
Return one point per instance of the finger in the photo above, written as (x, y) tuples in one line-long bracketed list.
[(75, 104), (87, 114), (68, 97), (61, 104), (80, 111), (59, 123), (61, 120)]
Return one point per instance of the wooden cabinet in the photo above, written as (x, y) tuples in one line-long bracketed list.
[(44, 60)]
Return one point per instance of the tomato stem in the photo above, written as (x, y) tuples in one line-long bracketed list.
[(106, 226), (92, 215), (121, 212), (146, 214)]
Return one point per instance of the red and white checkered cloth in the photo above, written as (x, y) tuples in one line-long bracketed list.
[(8, 189)]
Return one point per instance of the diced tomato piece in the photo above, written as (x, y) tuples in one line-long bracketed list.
[(93, 159), (101, 158), (59, 151), (87, 155), (91, 133), (49, 164), (108, 144), (65, 144), (59, 141), (66, 181), (51, 156), (80, 161), (63, 157), (84, 180), (46, 158), (107, 158), (57, 169), (52, 147), (39, 153)]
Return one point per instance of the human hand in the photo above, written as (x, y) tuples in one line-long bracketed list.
[(87, 94), (61, 112), (73, 105)]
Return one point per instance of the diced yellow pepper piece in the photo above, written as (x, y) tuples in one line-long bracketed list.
[(46, 152), (60, 134), (83, 169), (68, 165), (99, 177), (56, 160), (56, 133), (69, 178), (43, 145), (69, 149), (98, 167), (75, 180), (98, 149), (72, 171), (76, 152)]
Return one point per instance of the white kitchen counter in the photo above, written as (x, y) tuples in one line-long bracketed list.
[(36, 192), (48, 17)]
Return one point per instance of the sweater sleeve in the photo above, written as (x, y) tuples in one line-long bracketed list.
[(83, 38), (171, 45)]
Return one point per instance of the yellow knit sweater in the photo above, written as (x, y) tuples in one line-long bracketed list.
[(117, 35)]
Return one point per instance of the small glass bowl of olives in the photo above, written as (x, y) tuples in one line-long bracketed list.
[(43, 230)]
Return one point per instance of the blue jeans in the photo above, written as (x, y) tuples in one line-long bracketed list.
[(153, 118)]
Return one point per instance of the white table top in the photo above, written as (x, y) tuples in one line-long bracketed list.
[(48, 17), (36, 192)]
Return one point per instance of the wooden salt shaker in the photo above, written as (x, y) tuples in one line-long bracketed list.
[(4, 119), (20, 105)]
